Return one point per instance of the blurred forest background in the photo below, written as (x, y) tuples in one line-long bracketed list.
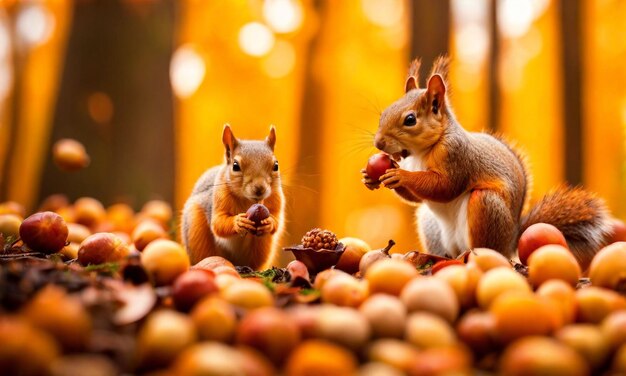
[(146, 86)]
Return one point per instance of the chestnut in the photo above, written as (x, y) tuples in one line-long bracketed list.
[(257, 213), (145, 232), (536, 236), (100, 248), (270, 331), (69, 155), (191, 286), (44, 232), (377, 164)]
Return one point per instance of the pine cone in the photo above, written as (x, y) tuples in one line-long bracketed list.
[(319, 239)]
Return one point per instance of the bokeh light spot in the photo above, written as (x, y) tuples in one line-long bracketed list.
[(34, 24), (283, 16), (516, 16), (256, 39), (281, 61), (472, 43), (187, 71), (100, 107), (385, 13)]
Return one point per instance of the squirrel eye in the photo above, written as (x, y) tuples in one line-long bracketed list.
[(410, 120), (275, 166), (236, 166)]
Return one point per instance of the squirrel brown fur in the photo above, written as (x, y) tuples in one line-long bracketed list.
[(214, 221), (472, 188)]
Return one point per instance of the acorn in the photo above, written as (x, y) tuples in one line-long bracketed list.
[(354, 250)]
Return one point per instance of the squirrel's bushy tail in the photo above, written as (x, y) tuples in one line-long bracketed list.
[(580, 215)]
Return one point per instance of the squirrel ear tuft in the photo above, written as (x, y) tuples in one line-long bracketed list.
[(229, 140), (412, 79), (271, 138)]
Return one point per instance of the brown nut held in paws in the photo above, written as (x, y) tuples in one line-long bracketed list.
[(377, 164), (257, 213), (44, 232)]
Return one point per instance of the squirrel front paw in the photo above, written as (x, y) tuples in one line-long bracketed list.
[(243, 225), (268, 226), (393, 178), (369, 183)]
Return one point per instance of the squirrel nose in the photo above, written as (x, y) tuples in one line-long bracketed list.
[(380, 144), (259, 190)]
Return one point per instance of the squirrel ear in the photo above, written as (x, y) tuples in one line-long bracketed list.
[(411, 83), (436, 90), (271, 138), (229, 140)]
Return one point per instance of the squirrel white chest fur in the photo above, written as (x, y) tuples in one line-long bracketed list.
[(451, 216)]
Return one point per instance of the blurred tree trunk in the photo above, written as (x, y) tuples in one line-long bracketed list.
[(494, 57), (307, 211), (572, 103), (115, 98), (428, 16), (31, 64)]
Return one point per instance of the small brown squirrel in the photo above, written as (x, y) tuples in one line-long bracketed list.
[(474, 187), (214, 221)]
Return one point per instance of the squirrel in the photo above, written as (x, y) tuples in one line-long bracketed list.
[(473, 188), (214, 221)]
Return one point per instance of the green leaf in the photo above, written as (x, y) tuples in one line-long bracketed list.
[(107, 267), (308, 291)]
